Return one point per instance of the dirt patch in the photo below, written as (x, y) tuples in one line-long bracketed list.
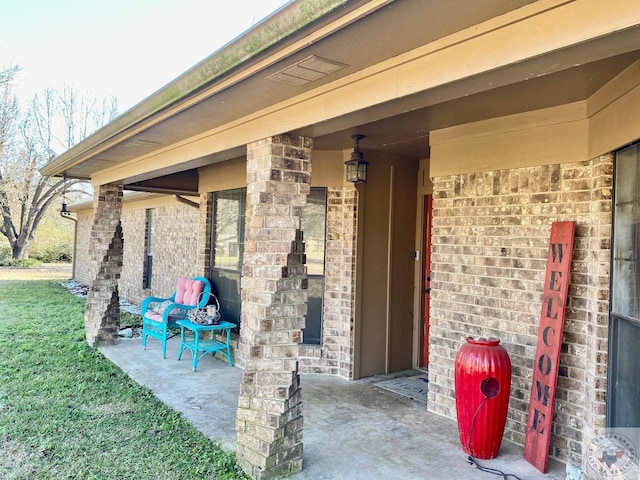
[(17, 460), (46, 271)]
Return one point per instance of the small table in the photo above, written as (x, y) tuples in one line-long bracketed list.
[(212, 345)]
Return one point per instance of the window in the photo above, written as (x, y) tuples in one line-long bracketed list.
[(147, 269), (624, 325), (228, 246), (626, 241), (314, 224)]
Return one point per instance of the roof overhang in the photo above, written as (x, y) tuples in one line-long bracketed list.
[(232, 63), (454, 62)]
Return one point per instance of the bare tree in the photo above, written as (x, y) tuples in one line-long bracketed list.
[(9, 130), (52, 123), (9, 108)]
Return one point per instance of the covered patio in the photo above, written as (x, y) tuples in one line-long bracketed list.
[(352, 429), (483, 124)]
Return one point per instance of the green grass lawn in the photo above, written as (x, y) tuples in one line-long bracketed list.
[(68, 412)]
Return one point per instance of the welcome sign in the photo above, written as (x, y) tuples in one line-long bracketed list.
[(545, 366)]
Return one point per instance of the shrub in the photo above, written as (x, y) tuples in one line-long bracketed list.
[(49, 253), (128, 319), (54, 241), (5, 254), (19, 262)]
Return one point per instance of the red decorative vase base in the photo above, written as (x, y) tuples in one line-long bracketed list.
[(483, 386)]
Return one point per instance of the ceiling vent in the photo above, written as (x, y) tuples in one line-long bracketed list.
[(307, 70), (137, 143)]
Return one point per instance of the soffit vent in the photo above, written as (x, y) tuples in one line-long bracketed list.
[(307, 70), (138, 143)]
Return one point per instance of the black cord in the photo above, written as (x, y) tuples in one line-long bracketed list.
[(473, 424), (473, 461), (494, 471)]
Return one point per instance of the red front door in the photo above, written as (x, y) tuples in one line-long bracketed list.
[(426, 278)]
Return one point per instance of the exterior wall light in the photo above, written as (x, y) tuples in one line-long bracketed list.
[(356, 165), (64, 195)]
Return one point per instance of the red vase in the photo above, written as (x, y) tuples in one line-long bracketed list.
[(483, 386)]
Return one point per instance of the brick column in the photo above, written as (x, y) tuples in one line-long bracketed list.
[(340, 276), (274, 282), (102, 311)]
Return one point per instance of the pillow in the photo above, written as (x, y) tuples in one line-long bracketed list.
[(188, 291), (161, 307)]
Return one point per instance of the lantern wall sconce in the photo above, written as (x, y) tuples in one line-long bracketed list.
[(64, 210), (356, 165)]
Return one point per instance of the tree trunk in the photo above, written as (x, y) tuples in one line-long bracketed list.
[(20, 250)]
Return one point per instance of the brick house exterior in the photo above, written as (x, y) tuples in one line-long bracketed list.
[(333, 357), (181, 237), (508, 117)]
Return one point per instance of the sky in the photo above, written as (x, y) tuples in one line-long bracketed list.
[(125, 48)]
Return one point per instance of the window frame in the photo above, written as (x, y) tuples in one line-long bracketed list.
[(147, 267)]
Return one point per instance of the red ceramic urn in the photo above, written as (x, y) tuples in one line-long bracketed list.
[(483, 386)]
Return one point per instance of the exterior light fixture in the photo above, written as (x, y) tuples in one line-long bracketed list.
[(64, 210), (356, 165)]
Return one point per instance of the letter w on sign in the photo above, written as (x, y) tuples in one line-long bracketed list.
[(545, 365)]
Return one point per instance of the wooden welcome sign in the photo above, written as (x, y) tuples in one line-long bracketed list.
[(545, 366)]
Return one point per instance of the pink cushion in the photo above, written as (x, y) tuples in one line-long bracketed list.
[(188, 291), (156, 317)]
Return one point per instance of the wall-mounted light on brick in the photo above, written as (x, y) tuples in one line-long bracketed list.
[(356, 165)]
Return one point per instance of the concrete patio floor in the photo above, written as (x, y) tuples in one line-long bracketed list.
[(352, 429)]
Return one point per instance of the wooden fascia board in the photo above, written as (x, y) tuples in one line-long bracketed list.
[(612, 110), (616, 88), (139, 199), (545, 117), (541, 137), (529, 32), (543, 145)]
